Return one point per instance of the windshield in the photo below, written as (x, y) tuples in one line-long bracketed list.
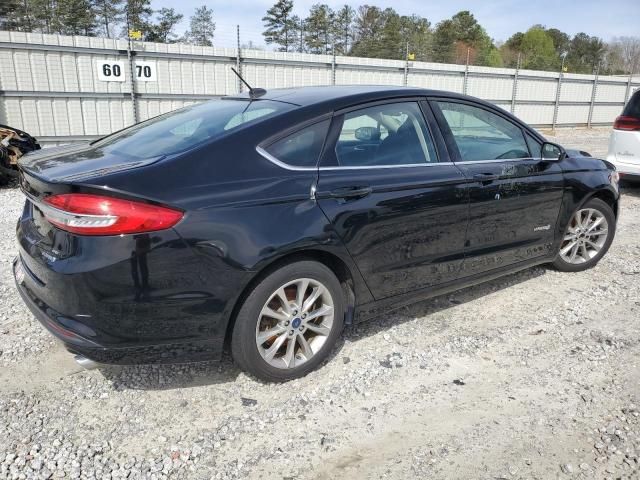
[(183, 129)]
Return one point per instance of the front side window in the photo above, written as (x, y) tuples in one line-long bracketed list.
[(483, 135), (302, 148), (385, 135)]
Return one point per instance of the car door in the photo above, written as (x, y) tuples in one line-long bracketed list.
[(514, 195), (397, 203)]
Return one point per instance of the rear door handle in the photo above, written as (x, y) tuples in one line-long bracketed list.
[(485, 177), (350, 192)]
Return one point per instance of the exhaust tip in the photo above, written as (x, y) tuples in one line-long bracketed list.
[(85, 363)]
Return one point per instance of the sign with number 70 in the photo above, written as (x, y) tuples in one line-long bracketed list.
[(145, 71)]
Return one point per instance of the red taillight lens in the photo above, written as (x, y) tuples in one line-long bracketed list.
[(88, 214), (624, 122)]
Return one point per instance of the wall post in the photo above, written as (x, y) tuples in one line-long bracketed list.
[(514, 91)]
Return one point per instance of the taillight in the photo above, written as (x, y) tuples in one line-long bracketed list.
[(88, 214), (625, 122)]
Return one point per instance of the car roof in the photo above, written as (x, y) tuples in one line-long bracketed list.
[(340, 96)]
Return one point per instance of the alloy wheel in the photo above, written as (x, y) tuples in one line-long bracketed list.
[(585, 237), (294, 323)]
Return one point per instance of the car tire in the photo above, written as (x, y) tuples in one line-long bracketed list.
[(272, 359), (576, 232)]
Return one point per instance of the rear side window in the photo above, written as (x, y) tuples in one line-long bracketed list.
[(483, 135), (188, 127), (632, 109), (302, 148)]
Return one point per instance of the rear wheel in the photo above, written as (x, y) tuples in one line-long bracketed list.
[(587, 237), (289, 322)]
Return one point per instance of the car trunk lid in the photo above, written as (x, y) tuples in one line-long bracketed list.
[(72, 163)]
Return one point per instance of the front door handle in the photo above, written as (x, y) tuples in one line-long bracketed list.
[(485, 177), (351, 192)]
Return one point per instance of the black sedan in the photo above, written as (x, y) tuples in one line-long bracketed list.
[(265, 222)]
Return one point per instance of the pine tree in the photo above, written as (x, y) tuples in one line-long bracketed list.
[(279, 27), (343, 29), (76, 17), (109, 13), (162, 30), (318, 34), (298, 29), (368, 29), (137, 15), (202, 27), (14, 15)]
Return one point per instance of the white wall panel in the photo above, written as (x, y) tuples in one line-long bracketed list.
[(72, 101)]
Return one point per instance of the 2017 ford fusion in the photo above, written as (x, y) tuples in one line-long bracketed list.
[(268, 221)]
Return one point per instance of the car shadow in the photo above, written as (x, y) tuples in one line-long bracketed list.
[(439, 304), (169, 377), (630, 188)]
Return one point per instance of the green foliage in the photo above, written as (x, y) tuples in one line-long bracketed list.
[(461, 36), (318, 33), (343, 29), (76, 17), (162, 31), (137, 15), (14, 16), (585, 53), (108, 15), (561, 41), (201, 27), (368, 28), (279, 27), (538, 50)]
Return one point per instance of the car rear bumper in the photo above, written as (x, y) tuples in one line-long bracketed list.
[(82, 339)]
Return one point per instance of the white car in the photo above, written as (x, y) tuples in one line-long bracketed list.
[(624, 143)]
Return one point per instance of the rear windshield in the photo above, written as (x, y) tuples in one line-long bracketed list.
[(633, 107), (183, 129)]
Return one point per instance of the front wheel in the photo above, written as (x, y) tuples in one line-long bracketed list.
[(587, 237), (289, 322)]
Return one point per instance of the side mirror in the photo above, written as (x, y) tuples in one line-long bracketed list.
[(367, 134), (552, 151)]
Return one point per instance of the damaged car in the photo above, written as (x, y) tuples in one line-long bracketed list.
[(14, 144)]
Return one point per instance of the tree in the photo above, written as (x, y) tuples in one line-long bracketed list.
[(343, 29), (15, 15), (108, 14), (368, 28), (537, 49), (201, 27), (456, 37), (318, 29), (585, 53), (561, 41), (162, 31), (629, 51), (76, 17), (298, 31), (43, 15), (137, 15), (279, 26), (416, 31)]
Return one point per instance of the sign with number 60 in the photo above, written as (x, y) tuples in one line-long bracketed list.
[(111, 71)]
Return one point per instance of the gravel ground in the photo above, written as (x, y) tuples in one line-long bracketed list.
[(534, 375)]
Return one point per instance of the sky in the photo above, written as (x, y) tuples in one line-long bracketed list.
[(501, 18)]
